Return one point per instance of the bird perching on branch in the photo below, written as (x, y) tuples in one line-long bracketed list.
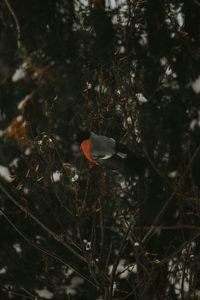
[(105, 151)]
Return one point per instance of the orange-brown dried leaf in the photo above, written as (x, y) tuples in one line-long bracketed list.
[(19, 130), (22, 104)]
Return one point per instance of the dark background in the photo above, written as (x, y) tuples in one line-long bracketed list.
[(126, 69)]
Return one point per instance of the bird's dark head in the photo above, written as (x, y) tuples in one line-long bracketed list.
[(83, 135)]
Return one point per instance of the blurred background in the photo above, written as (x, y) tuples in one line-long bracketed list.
[(127, 69)]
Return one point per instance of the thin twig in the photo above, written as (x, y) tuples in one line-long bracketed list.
[(197, 2), (163, 209), (42, 249), (19, 43), (114, 269), (43, 226)]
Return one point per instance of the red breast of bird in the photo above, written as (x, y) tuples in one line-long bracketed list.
[(98, 148), (86, 147)]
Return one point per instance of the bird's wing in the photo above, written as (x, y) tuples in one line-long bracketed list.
[(101, 146), (122, 155), (105, 156), (115, 163)]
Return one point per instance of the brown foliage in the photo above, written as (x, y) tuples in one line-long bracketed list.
[(19, 129)]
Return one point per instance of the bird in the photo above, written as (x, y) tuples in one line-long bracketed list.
[(107, 152)]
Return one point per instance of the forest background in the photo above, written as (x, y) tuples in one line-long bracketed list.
[(125, 69)]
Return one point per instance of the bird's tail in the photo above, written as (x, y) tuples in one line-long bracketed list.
[(130, 165)]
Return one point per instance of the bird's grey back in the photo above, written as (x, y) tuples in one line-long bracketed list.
[(101, 145)]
